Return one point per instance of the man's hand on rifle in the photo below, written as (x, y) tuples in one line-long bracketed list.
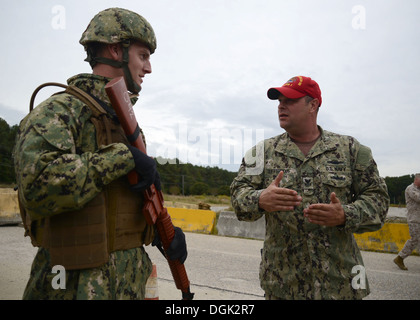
[(146, 168), (178, 248)]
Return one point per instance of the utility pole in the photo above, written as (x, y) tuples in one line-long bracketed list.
[(182, 185)]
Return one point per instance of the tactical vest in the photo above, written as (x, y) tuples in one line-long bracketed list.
[(111, 221)]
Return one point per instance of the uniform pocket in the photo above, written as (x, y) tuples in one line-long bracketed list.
[(338, 182)]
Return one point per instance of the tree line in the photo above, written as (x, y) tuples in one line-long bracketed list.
[(7, 142), (188, 179), (396, 188), (176, 177)]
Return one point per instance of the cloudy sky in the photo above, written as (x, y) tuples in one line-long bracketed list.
[(206, 102)]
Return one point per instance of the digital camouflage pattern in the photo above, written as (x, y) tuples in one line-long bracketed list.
[(115, 25), (60, 168), (301, 260), (412, 199), (122, 278), (412, 243)]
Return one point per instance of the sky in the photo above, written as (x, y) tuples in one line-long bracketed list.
[(206, 100)]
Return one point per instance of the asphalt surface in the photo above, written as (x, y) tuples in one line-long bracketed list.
[(219, 268)]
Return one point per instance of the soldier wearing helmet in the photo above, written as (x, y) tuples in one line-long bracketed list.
[(122, 28), (71, 161)]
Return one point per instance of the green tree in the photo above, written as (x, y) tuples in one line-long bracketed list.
[(200, 188), (224, 190), (185, 176), (7, 142), (396, 187)]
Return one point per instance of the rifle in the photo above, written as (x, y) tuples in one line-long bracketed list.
[(153, 210)]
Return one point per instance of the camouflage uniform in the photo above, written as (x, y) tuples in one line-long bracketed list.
[(412, 198), (59, 169), (301, 260)]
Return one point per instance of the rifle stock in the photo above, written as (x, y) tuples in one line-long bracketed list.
[(153, 209)]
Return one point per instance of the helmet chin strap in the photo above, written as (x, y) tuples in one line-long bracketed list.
[(132, 86)]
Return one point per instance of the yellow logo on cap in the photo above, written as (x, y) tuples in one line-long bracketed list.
[(294, 79)]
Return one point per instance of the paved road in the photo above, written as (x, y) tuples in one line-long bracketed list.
[(227, 268), (219, 268)]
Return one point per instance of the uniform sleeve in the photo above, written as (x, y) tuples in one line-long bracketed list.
[(246, 188), (413, 193), (370, 204), (53, 174)]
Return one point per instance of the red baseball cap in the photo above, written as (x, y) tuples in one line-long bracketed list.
[(295, 88)]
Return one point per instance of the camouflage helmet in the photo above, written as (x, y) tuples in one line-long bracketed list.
[(116, 25)]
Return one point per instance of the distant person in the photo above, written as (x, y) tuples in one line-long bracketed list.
[(315, 188), (71, 160), (412, 199)]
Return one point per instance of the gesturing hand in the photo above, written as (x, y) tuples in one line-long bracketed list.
[(326, 214), (274, 198)]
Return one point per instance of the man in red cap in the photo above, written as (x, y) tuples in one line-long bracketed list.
[(299, 98), (315, 189)]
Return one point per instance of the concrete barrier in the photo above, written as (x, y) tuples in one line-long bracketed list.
[(229, 225), (193, 220), (9, 207), (391, 238)]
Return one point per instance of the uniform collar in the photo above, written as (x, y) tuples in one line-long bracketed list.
[(287, 147), (94, 85)]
